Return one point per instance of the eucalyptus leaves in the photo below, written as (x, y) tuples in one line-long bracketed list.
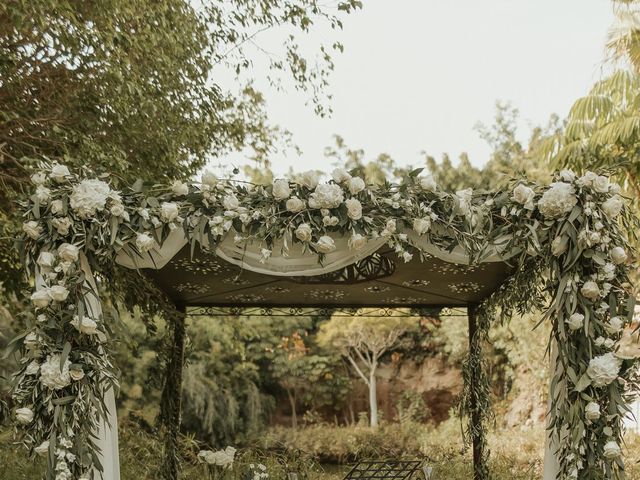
[(572, 228)]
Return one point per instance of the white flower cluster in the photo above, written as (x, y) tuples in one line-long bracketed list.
[(53, 375), (258, 471), (221, 458)]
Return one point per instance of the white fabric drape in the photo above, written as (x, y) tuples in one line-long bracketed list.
[(107, 438), (551, 465)]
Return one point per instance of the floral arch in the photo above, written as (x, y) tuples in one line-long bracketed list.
[(564, 244)]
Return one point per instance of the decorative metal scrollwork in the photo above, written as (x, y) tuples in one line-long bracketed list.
[(370, 268)]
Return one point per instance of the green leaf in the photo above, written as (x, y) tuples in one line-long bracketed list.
[(65, 354), (583, 383)]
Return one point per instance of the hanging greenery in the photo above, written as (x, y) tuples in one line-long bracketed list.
[(566, 240)]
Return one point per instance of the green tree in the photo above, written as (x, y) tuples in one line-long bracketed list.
[(363, 341)]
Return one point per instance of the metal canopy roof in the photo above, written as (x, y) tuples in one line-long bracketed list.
[(381, 280)]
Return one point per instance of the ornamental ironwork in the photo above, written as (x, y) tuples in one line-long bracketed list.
[(389, 470), (267, 311), (369, 268)]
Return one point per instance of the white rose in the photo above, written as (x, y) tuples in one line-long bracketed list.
[(40, 298), (43, 194), (76, 373), (421, 225), (56, 207), (575, 321), (145, 242), (89, 197), (356, 185), (559, 245), (428, 183), (68, 252), (24, 415), (281, 189), (169, 211), (42, 449), (330, 221), (62, 225), (87, 325), (208, 178), (309, 179), (601, 184), (230, 202), (179, 188), (592, 411), (327, 195), (603, 369), (58, 293), (340, 175), (354, 208), (38, 178), (587, 179), (613, 206), (590, 290), (618, 255), (59, 172), (557, 200), (614, 188), (611, 450), (567, 175), (357, 241), (303, 232), (52, 375), (32, 229), (524, 196), (598, 342), (295, 205), (325, 244), (614, 326), (46, 260)]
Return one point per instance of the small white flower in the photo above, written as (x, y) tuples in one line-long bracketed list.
[(524, 196), (87, 325), (601, 184), (58, 293), (179, 188), (618, 255), (24, 415), (559, 245), (603, 369), (39, 178), (611, 450), (43, 194), (406, 256), (592, 411), (567, 175), (463, 199), (32, 229), (309, 179), (62, 225), (209, 179), (31, 341), (340, 175), (357, 241), (421, 225), (354, 208), (356, 185), (598, 342), (59, 173), (575, 321), (169, 211), (265, 253), (612, 207), (590, 290), (303, 232), (46, 260), (145, 242), (325, 244), (609, 271), (281, 189), (295, 205), (40, 298), (76, 373), (330, 221), (587, 179), (230, 202), (56, 207), (614, 326), (68, 252), (428, 183), (42, 449), (118, 210)]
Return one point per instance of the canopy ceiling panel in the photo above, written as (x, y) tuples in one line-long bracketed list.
[(380, 280)]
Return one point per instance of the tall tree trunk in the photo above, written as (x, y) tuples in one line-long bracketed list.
[(294, 416), (373, 397)]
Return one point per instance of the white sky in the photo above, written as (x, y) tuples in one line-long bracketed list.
[(419, 74)]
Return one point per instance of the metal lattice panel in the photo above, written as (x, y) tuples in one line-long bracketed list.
[(234, 311), (386, 469)]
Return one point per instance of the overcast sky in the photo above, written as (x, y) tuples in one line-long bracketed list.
[(417, 75)]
